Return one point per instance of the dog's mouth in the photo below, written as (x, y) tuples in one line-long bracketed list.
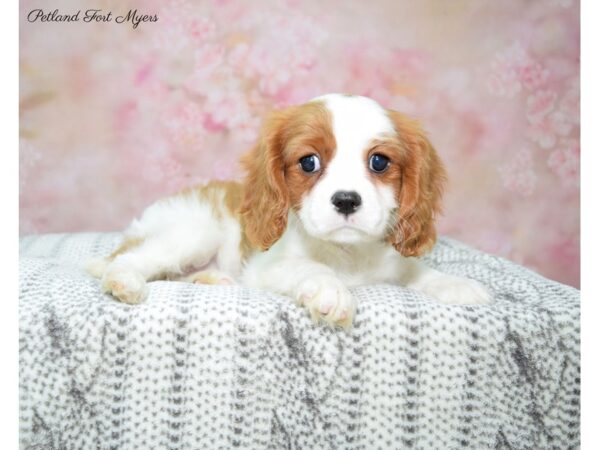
[(348, 234), (352, 224), (352, 229)]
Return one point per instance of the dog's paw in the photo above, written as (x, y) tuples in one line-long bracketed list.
[(453, 290), (327, 300), (126, 285), (96, 266)]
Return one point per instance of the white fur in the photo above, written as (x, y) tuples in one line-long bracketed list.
[(320, 255), (179, 235), (356, 122)]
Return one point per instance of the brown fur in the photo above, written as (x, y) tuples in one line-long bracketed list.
[(419, 182), (225, 197), (274, 180), (221, 194), (125, 246)]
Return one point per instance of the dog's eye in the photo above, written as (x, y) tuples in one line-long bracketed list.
[(379, 163), (310, 163)]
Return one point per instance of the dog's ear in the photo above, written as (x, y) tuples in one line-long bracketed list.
[(422, 182), (265, 205)]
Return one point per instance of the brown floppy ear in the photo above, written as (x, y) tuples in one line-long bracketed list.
[(422, 182), (265, 203)]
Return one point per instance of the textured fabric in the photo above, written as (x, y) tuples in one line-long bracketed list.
[(203, 367)]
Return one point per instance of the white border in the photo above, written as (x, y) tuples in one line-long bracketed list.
[(9, 229)]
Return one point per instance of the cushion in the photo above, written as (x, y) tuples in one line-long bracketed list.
[(197, 367)]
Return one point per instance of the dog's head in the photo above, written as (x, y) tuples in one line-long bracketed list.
[(351, 171)]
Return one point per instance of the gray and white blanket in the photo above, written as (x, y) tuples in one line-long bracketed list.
[(220, 367)]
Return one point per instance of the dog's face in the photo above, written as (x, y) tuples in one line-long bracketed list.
[(343, 191), (352, 172)]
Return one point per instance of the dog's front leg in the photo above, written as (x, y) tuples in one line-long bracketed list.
[(311, 284), (445, 288)]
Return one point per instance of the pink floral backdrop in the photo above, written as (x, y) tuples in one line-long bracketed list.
[(114, 117)]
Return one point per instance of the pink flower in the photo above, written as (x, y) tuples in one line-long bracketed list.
[(286, 49), (180, 28), (143, 73), (247, 131), (570, 102), (202, 29), (296, 92), (208, 59), (124, 115), (411, 63), (503, 85), (166, 171), (533, 75), (539, 104), (518, 175), (223, 169), (512, 69), (184, 125), (173, 173), (561, 122), (505, 78), (209, 124), (237, 57), (542, 132), (227, 108), (171, 39), (564, 162), (545, 125), (271, 85)]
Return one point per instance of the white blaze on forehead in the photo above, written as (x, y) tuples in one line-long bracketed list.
[(356, 121)]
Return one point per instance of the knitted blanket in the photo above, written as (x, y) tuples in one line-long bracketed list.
[(221, 367)]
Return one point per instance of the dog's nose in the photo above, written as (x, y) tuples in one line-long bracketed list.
[(346, 202)]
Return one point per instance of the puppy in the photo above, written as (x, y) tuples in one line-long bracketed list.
[(338, 192)]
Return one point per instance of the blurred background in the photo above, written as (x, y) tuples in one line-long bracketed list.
[(112, 117)]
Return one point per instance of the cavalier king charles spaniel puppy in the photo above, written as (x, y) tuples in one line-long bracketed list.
[(338, 192)]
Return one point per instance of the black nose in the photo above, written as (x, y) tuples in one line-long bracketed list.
[(346, 202)]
